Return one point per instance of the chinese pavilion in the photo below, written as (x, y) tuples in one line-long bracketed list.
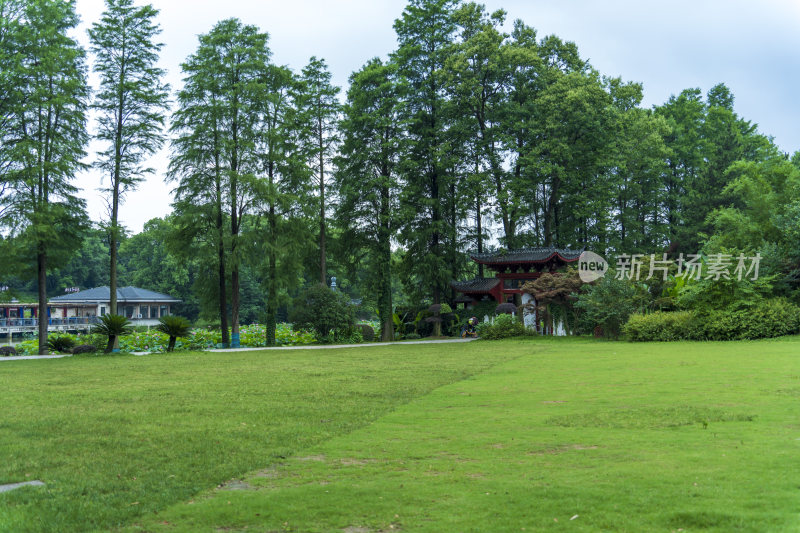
[(512, 270)]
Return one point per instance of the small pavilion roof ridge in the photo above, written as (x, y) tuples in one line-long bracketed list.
[(527, 255)]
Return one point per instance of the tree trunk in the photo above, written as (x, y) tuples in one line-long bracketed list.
[(478, 218), (112, 305), (385, 272), (272, 280), (235, 226), (41, 264), (223, 297), (437, 218), (323, 267), (113, 246), (171, 345), (112, 286)]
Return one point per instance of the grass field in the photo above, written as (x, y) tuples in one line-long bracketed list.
[(529, 435)]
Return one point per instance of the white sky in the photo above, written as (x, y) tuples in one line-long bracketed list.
[(668, 46)]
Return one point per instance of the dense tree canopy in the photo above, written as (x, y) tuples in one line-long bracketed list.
[(475, 133)]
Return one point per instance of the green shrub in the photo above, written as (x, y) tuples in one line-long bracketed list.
[(367, 332), (660, 326), (328, 313), (112, 326), (355, 337), (5, 351), (609, 303), (504, 327), (173, 327), (413, 336), (60, 343), (765, 319), (29, 347), (482, 309)]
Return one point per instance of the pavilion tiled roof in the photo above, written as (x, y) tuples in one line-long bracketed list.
[(475, 286), (124, 294), (529, 255)]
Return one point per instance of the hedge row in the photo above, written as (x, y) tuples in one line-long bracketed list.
[(769, 318)]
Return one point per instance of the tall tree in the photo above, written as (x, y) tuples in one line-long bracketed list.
[(479, 76), (44, 140), (131, 104), (282, 188), (11, 12), (367, 178), (321, 111), (425, 33), (215, 149)]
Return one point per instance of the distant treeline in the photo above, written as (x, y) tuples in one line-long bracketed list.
[(468, 136)]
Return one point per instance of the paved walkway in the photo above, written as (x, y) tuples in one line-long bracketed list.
[(224, 350), (331, 346), (22, 357)]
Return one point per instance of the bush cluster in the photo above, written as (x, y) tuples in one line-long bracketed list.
[(766, 319), (84, 348), (7, 350), (60, 343), (660, 326), (504, 327), (367, 332), (327, 312)]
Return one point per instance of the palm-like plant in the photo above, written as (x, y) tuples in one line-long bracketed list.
[(112, 326), (60, 343), (174, 326)]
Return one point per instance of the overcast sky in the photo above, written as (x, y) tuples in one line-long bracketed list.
[(667, 46)]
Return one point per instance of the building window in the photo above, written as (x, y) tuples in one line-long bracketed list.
[(164, 310), (153, 311), (129, 311), (102, 310), (145, 311)]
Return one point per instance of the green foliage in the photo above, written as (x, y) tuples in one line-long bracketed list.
[(555, 296), (147, 260), (319, 111), (429, 197), (174, 327), (43, 95), (660, 326), (765, 319), (60, 343), (28, 347), (327, 312), (131, 105), (367, 332), (709, 294), (504, 326), (480, 310), (610, 302), (5, 351), (367, 181), (112, 327)]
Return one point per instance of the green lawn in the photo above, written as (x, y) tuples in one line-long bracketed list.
[(487, 436)]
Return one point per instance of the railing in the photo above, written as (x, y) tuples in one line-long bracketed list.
[(34, 322)]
